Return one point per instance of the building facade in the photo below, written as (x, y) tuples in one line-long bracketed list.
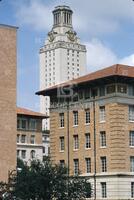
[(29, 135), (62, 57), (8, 57), (92, 130)]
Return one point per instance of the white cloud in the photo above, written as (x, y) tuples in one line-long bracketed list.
[(92, 17), (35, 14), (129, 60), (100, 56)]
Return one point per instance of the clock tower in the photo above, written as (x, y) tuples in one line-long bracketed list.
[(62, 57)]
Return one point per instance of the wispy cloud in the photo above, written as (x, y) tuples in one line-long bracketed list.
[(94, 17), (100, 56)]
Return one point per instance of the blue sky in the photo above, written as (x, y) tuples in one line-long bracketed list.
[(106, 27)]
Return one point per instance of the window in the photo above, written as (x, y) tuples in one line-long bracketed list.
[(22, 124), (94, 92), (122, 88), (62, 163), (18, 138), (88, 165), (131, 90), (32, 154), (132, 189), (32, 139), (61, 119), (32, 124), (102, 91), (62, 145), (76, 166), (80, 94), (103, 164), (87, 112), (87, 137), (44, 150), (87, 93), (131, 138), (131, 113), (111, 89), (23, 154), (75, 115), (103, 139), (132, 163), (102, 114), (76, 142), (18, 123), (23, 138), (103, 190)]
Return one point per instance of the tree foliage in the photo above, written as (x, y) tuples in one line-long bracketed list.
[(45, 181)]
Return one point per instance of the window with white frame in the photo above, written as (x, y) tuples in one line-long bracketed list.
[(23, 138), (132, 163), (103, 190), (102, 114), (32, 154), (87, 113), (76, 166), (87, 140), (131, 113), (62, 145), (131, 138), (103, 139), (103, 164), (132, 189), (23, 154), (88, 165), (32, 139), (75, 116), (76, 142), (61, 116)]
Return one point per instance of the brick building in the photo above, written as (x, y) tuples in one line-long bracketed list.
[(92, 129), (29, 134), (7, 100)]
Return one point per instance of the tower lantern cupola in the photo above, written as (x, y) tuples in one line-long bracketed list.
[(62, 16)]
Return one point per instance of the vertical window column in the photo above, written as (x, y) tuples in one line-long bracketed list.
[(103, 190), (76, 166), (62, 144), (75, 116), (102, 114), (88, 165), (103, 164), (132, 189)]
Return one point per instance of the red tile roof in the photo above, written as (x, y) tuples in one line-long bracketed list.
[(24, 111), (114, 70)]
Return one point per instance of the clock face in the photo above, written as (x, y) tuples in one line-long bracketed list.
[(71, 35)]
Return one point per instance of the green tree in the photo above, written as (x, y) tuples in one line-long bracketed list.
[(45, 181)]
